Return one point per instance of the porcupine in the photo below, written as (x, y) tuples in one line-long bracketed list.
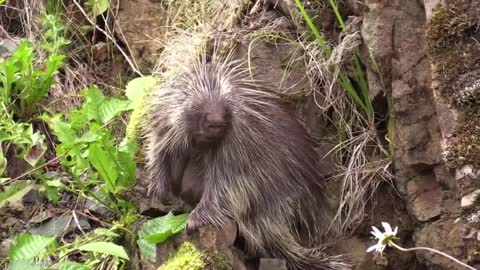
[(254, 161)]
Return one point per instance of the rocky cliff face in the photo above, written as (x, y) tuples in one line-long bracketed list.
[(424, 77)]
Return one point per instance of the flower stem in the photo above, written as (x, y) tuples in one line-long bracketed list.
[(431, 250)]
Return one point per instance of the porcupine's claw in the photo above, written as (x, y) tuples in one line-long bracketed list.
[(193, 224)]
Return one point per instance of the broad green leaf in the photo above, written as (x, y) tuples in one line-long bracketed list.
[(54, 183), (158, 230), (111, 108), (105, 232), (23, 265), (105, 248), (101, 108), (88, 137), (78, 119), (100, 6), (171, 225), (15, 192), (28, 246), (147, 249), (104, 164), (93, 98), (127, 168), (137, 87), (63, 131), (72, 266)]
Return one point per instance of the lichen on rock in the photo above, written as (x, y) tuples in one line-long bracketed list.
[(187, 257), (464, 147), (451, 44)]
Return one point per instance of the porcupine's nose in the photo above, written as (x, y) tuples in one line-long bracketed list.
[(216, 123)]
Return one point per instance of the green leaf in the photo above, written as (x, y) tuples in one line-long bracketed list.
[(93, 98), (88, 137), (37, 150), (3, 162), (72, 266), (23, 264), (15, 192), (137, 87), (78, 119), (54, 183), (62, 130), (105, 248), (28, 246), (111, 108), (104, 164), (105, 232), (147, 249), (103, 109), (128, 167), (99, 6), (158, 230)]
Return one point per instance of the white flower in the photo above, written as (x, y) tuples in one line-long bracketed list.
[(383, 238)]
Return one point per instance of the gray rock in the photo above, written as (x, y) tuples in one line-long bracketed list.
[(470, 199), (426, 197), (8, 46), (33, 197), (5, 246)]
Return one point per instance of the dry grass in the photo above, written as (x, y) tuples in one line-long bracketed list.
[(362, 162)]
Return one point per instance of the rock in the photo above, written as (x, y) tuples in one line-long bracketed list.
[(214, 245), (469, 200), (270, 63), (61, 225), (466, 171), (33, 197), (426, 197), (272, 264), (131, 20), (441, 235), (8, 46), (5, 247), (41, 217), (97, 207)]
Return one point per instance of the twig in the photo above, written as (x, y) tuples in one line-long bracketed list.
[(109, 37), (34, 170)]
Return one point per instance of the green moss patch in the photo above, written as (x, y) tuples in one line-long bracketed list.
[(465, 145), (188, 257), (453, 35)]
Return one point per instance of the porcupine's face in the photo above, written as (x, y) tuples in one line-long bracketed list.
[(208, 121)]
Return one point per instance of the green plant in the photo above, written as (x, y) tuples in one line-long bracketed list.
[(36, 251), (87, 148), (158, 230), (25, 77), (29, 145), (361, 100)]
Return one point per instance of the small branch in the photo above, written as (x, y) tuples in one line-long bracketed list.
[(109, 37), (34, 170), (431, 250)]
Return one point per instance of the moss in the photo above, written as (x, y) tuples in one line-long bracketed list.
[(451, 44), (186, 258), (218, 260), (465, 145)]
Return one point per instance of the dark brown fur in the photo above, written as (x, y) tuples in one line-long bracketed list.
[(236, 152)]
